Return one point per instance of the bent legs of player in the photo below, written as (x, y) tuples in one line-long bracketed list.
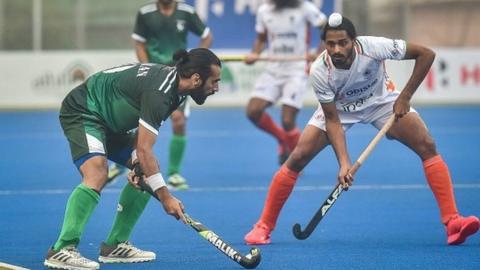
[(311, 142), (412, 132), (81, 204), (292, 132), (287, 137)]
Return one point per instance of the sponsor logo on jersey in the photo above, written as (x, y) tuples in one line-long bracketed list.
[(353, 106), (361, 90)]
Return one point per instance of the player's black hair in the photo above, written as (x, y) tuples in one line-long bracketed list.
[(197, 60), (346, 25), (280, 4)]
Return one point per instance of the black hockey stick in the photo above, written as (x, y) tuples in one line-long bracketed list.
[(337, 191), (249, 261)]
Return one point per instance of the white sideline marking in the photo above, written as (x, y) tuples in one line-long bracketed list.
[(243, 189)]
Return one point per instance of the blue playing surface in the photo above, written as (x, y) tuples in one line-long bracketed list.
[(389, 220)]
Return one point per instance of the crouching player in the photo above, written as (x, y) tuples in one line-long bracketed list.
[(350, 82)]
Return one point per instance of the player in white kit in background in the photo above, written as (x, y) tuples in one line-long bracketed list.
[(285, 26)]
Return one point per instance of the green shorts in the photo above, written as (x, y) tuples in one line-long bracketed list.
[(87, 134)]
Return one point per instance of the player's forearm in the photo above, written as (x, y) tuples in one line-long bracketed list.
[(206, 42), (258, 46), (336, 136), (148, 162), (141, 52), (423, 62), (151, 170)]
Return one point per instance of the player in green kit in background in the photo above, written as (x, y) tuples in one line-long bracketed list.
[(97, 118), (161, 28)]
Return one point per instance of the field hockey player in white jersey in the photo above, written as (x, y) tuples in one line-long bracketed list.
[(351, 84), (284, 25)]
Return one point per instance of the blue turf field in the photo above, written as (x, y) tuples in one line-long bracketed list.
[(389, 221)]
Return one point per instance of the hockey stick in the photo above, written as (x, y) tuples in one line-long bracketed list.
[(249, 261), (241, 58), (337, 191)]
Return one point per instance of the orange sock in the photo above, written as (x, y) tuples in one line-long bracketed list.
[(278, 193), (439, 180), (267, 124), (291, 138)]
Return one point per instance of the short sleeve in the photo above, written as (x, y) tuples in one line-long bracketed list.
[(140, 31), (319, 77), (382, 48), (314, 16), (152, 114), (259, 20), (197, 26)]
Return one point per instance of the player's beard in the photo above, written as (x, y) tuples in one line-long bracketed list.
[(198, 96), (343, 61)]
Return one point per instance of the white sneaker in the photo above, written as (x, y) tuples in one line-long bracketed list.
[(68, 258), (177, 182), (124, 253)]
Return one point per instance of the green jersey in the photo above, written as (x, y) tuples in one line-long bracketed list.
[(164, 35), (124, 96)]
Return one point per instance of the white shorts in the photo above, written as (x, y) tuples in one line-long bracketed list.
[(377, 115), (288, 90)]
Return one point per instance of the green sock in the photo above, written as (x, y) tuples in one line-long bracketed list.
[(177, 149), (80, 206), (130, 207)]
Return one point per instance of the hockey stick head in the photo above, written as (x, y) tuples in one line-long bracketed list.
[(297, 232), (252, 259)]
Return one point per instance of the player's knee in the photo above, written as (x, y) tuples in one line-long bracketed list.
[(254, 114), (298, 159), (178, 119), (427, 148), (96, 181), (288, 123)]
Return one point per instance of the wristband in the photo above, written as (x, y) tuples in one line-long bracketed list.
[(155, 181)]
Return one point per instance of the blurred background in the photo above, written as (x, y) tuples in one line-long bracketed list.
[(64, 41)]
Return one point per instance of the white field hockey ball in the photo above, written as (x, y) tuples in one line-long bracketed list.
[(335, 19)]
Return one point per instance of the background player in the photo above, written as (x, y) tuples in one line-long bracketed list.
[(284, 25)]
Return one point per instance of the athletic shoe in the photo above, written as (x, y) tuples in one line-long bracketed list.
[(68, 258), (124, 253), (114, 171), (259, 235), (459, 228), (177, 182)]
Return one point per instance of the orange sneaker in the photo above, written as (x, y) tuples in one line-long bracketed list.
[(259, 235), (459, 228)]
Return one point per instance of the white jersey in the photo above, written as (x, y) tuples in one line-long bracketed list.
[(287, 32), (365, 83)]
